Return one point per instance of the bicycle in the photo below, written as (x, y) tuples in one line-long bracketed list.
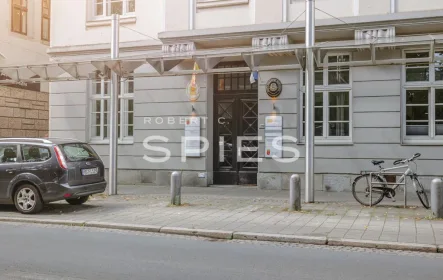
[(361, 185)]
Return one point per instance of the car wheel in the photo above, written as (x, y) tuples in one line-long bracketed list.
[(27, 199), (77, 201)]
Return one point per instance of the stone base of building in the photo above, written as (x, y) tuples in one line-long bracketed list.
[(265, 181)]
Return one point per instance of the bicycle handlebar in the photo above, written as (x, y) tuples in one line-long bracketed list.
[(401, 161)]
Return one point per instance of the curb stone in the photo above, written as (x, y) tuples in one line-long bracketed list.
[(144, 228), (219, 234), (280, 238), (44, 221), (383, 245)]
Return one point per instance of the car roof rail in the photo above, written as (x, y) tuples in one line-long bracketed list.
[(41, 140)]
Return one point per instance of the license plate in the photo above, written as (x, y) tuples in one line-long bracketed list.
[(91, 171)]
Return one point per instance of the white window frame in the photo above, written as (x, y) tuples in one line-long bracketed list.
[(325, 89), (431, 86), (107, 5), (124, 97)]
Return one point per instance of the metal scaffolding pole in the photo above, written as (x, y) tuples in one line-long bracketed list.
[(310, 100), (113, 120)]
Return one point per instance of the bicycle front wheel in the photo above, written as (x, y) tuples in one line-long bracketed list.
[(421, 193), (360, 189)]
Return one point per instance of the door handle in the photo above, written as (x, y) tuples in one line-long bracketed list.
[(10, 170)]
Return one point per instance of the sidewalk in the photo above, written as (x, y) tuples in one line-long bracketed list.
[(248, 213)]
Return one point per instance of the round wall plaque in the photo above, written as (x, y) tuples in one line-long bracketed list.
[(274, 87)]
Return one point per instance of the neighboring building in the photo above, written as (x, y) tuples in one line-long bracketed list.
[(24, 39), (363, 112)]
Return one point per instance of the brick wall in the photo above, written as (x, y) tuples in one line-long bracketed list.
[(23, 113)]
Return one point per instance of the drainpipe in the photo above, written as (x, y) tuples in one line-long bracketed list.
[(285, 7), (113, 121), (192, 14), (310, 96)]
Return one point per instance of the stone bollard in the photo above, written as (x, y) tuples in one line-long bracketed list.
[(176, 188), (294, 193), (437, 198)]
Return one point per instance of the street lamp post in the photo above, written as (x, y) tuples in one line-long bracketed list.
[(113, 121), (310, 100)]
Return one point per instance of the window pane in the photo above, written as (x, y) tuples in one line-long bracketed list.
[(338, 98), (99, 7), (16, 19), (318, 99), (318, 77), (130, 130), (130, 105), (79, 152), (417, 55), (417, 97), (338, 113), (35, 153), (438, 95), (417, 71), (339, 129), (318, 129), (417, 128), (318, 114), (417, 113), (116, 7), (439, 112), (24, 22), (338, 76), (439, 66), (107, 84), (45, 29), (8, 153), (417, 74), (338, 58), (439, 128), (45, 10), (131, 6)]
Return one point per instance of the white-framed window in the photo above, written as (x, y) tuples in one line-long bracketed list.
[(422, 114), (100, 109), (105, 8), (333, 97)]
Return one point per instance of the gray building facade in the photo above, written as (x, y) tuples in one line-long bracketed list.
[(381, 108)]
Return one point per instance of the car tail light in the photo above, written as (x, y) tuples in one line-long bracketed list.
[(60, 158)]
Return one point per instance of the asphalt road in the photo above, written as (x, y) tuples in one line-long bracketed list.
[(44, 252)]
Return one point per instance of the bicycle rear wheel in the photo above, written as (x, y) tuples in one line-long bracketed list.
[(421, 193), (360, 189)]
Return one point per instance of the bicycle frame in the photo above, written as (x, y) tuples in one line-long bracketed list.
[(402, 181)]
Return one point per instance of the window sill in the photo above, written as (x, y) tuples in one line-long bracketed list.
[(106, 142), (107, 21), (330, 142), (220, 3), (422, 142)]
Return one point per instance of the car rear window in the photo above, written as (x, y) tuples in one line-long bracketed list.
[(79, 152)]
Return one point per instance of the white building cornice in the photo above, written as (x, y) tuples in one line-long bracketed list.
[(323, 27), (135, 46)]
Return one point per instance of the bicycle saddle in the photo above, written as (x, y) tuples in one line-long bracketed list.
[(377, 162)]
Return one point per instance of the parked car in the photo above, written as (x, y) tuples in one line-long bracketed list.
[(34, 172)]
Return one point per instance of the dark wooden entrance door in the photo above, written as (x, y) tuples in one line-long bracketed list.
[(236, 115)]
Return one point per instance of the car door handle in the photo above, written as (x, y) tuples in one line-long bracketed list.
[(10, 170)]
